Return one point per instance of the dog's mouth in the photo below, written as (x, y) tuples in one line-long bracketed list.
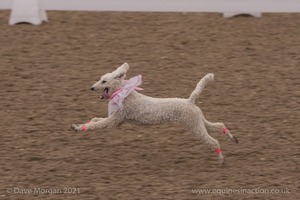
[(105, 94)]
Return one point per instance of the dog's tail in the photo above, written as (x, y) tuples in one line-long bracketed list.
[(200, 86)]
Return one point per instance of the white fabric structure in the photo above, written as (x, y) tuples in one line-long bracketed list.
[(31, 11), (27, 11), (220, 6), (232, 14)]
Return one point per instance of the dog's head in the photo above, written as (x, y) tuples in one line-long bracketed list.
[(110, 82)]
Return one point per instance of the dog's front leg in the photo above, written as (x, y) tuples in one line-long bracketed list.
[(96, 119), (98, 123)]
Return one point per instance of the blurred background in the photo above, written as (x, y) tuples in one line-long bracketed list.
[(46, 75)]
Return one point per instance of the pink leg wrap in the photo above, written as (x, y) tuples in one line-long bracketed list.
[(225, 130), (83, 127), (218, 150)]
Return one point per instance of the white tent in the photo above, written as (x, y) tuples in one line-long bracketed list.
[(33, 11), (27, 11)]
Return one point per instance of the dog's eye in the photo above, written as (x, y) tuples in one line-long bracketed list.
[(103, 82)]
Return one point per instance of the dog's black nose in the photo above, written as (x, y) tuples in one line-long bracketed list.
[(92, 88)]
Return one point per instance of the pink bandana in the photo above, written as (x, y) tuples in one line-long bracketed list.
[(117, 98)]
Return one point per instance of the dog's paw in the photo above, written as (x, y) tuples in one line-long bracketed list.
[(235, 139), (221, 159), (76, 127)]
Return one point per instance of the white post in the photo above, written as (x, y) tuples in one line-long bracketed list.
[(27, 11)]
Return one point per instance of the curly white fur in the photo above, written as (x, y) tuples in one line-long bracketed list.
[(144, 110)]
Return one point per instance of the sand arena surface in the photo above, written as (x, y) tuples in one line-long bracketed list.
[(47, 71)]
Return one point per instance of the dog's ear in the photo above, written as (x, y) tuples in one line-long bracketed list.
[(120, 73), (124, 67), (120, 76)]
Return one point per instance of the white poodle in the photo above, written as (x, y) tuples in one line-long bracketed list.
[(126, 104)]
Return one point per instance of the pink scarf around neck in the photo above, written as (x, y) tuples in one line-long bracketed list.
[(117, 98)]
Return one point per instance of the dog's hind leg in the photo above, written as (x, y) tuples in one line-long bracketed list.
[(219, 127), (201, 132)]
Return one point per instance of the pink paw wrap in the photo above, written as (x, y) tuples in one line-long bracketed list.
[(83, 128), (89, 122), (225, 130), (218, 151)]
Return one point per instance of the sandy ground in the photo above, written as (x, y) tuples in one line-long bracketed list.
[(47, 71)]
